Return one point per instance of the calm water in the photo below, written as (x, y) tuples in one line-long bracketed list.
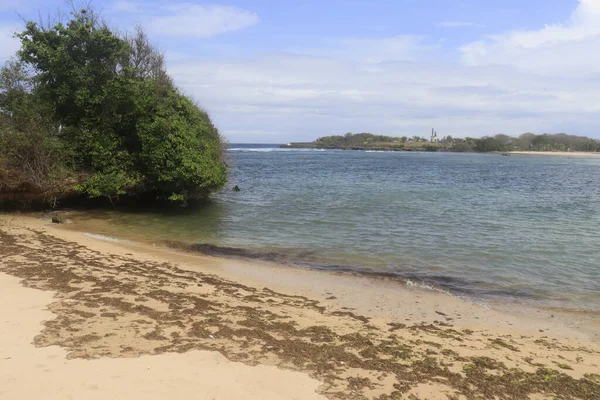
[(523, 228)]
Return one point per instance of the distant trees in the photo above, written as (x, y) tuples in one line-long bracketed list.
[(531, 141), (563, 142), (84, 110), (498, 142), (524, 140), (356, 139)]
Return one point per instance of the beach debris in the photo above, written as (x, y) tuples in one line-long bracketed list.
[(236, 188), (211, 336)]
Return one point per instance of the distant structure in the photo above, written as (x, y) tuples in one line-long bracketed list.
[(434, 136)]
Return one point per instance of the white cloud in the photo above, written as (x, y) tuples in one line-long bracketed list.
[(186, 19), (298, 97), (569, 48), (458, 24), (201, 21), (376, 50)]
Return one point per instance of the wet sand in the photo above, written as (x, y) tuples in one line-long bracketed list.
[(100, 319)]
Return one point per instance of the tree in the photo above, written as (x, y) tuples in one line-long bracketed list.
[(15, 85), (31, 154), (524, 140), (503, 142), (144, 60), (487, 143), (126, 128)]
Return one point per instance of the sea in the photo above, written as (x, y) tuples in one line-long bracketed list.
[(523, 229)]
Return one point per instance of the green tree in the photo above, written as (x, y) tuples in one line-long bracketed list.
[(524, 140), (31, 155), (128, 129)]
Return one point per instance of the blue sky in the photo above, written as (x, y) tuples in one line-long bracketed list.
[(288, 70)]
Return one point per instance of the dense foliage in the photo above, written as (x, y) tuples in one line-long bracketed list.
[(356, 139), (499, 142), (86, 111)]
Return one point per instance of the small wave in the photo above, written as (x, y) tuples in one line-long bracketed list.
[(418, 284), (103, 238), (228, 252), (444, 284)]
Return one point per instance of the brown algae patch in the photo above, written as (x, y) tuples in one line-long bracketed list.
[(117, 306)]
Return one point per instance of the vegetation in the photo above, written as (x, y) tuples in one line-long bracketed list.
[(499, 142), (87, 112), (368, 141)]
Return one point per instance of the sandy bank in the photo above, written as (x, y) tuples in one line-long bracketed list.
[(151, 321), (27, 372), (558, 153)]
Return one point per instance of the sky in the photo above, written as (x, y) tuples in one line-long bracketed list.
[(275, 71)]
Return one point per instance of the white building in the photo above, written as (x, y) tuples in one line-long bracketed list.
[(434, 136)]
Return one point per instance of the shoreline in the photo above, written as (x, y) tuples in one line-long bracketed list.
[(423, 149), (262, 314), (557, 153), (585, 319)]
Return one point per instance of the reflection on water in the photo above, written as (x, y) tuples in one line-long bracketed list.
[(185, 224)]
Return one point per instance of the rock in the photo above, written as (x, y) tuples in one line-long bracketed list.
[(58, 220), (236, 188)]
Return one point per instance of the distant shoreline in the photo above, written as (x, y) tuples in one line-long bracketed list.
[(500, 143), (440, 150), (558, 153)]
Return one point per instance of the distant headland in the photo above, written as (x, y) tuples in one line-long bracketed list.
[(527, 142)]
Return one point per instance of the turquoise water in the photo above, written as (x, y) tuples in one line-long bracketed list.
[(524, 228)]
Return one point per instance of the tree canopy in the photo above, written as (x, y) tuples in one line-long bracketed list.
[(104, 107)]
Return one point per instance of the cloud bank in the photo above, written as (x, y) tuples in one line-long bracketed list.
[(544, 80), (570, 48), (541, 80)]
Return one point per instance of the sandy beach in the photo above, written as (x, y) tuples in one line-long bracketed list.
[(558, 153), (82, 317)]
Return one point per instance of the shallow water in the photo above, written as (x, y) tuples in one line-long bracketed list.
[(520, 228)]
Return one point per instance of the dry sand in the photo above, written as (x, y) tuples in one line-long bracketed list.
[(111, 320), (27, 372)]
